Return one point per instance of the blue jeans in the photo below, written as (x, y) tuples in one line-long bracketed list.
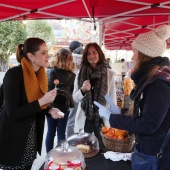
[(54, 125), (71, 120)]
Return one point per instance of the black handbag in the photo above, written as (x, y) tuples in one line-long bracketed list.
[(140, 161)]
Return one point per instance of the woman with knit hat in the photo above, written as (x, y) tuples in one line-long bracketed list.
[(151, 114), (26, 101)]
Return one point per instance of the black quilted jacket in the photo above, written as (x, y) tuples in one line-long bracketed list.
[(64, 77)]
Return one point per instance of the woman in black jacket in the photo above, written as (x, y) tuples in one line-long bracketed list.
[(151, 116), (63, 68), (26, 101)]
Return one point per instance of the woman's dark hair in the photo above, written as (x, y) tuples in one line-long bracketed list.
[(31, 45), (102, 59), (75, 44)]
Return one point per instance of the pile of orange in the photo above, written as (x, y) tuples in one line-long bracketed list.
[(114, 133)]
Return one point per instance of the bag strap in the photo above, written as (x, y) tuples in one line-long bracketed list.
[(164, 144)]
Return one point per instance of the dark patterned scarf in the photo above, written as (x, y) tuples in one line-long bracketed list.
[(164, 72), (100, 76)]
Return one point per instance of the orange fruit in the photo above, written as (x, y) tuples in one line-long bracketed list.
[(105, 129), (112, 130), (119, 132), (114, 137), (110, 134)]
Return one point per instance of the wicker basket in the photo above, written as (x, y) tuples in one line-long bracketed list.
[(118, 145)]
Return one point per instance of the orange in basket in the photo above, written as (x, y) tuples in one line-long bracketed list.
[(118, 140), (105, 129)]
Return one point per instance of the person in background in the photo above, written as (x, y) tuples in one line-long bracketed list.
[(92, 83), (77, 50), (108, 63), (122, 60), (26, 103), (124, 67), (63, 68), (151, 114)]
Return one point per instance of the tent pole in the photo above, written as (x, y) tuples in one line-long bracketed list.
[(100, 34)]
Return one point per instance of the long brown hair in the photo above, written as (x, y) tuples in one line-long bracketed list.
[(102, 59), (142, 59)]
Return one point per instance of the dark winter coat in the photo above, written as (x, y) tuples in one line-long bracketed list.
[(21, 124), (151, 119)]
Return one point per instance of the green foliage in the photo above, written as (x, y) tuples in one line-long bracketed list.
[(12, 33), (41, 29)]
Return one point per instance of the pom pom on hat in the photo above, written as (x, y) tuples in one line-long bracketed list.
[(163, 32), (153, 43)]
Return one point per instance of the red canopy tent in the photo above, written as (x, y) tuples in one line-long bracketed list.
[(120, 21)]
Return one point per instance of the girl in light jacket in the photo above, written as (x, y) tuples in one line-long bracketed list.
[(92, 83)]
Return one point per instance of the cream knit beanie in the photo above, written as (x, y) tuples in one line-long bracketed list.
[(153, 43)]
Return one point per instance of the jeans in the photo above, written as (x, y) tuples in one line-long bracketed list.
[(54, 125), (71, 120)]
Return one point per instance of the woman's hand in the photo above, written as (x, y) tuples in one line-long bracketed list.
[(104, 112), (86, 86), (56, 113), (48, 97), (113, 107)]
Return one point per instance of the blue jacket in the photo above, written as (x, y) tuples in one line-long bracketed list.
[(151, 119)]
